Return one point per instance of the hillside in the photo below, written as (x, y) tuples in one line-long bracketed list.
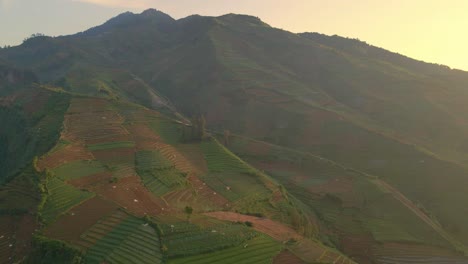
[(345, 146)]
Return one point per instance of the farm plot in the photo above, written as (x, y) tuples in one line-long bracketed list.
[(313, 252), (7, 240), (65, 154), (158, 174), (78, 169), (93, 121), (200, 196), (130, 194), (120, 161), (219, 159), (390, 253), (130, 241), (258, 250), (186, 239), (168, 130), (286, 257), (274, 229), (61, 198), (234, 186), (142, 135), (111, 145), (71, 225)]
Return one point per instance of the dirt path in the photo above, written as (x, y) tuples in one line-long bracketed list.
[(410, 205)]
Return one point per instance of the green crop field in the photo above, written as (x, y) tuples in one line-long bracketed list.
[(220, 159), (111, 145), (131, 241), (78, 169), (151, 160), (234, 186), (258, 250), (169, 131), (158, 174), (185, 239), (61, 198)]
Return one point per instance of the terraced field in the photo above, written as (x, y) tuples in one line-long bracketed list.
[(219, 159), (63, 154), (260, 249), (78, 169), (129, 241), (61, 198), (186, 239), (407, 253), (158, 173)]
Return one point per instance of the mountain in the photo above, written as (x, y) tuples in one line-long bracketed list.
[(343, 147)]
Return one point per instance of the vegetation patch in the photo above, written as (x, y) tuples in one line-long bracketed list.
[(260, 249), (186, 239), (159, 175), (111, 145), (130, 241), (60, 198), (78, 169)]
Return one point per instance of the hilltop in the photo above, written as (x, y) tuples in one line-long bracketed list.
[(350, 149)]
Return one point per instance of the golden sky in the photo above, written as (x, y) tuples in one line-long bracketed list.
[(429, 30)]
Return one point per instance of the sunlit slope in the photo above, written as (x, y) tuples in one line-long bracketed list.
[(116, 186), (359, 213), (398, 119)]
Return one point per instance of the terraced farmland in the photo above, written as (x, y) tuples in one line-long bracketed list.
[(235, 186), (78, 169), (158, 174), (186, 239), (168, 130), (258, 250), (219, 159), (111, 145), (131, 240), (61, 198)]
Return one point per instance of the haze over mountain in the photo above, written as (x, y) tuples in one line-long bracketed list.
[(353, 147)]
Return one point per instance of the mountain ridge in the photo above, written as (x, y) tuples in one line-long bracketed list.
[(371, 111)]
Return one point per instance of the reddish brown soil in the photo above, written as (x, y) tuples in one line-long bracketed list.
[(359, 247), (274, 229), (72, 152), (91, 181), (130, 194), (194, 155), (70, 226), (286, 257), (313, 252), (92, 120), (115, 156), (15, 237), (200, 196), (258, 148), (7, 231), (143, 136), (405, 249), (100, 229)]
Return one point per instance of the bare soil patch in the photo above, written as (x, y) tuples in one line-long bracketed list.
[(70, 226), (286, 257), (91, 181), (130, 194), (274, 229), (69, 153)]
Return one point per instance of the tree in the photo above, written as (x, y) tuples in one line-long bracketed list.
[(195, 132), (188, 211)]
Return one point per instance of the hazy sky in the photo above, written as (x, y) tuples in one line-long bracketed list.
[(430, 30)]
